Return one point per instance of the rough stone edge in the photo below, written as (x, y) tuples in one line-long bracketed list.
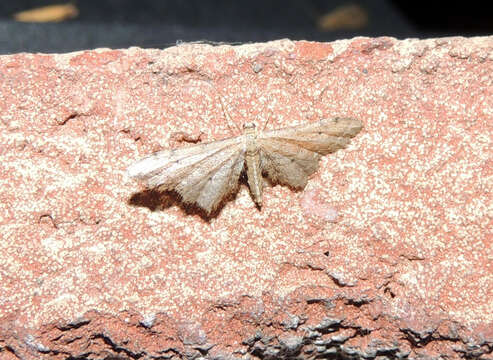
[(269, 333)]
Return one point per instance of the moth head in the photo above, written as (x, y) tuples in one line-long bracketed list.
[(249, 125)]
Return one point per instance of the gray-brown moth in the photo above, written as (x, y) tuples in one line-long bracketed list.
[(203, 174)]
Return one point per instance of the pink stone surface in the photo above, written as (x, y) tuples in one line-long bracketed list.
[(387, 251)]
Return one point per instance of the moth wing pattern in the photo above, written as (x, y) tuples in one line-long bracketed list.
[(289, 156), (202, 174), (212, 179), (287, 163)]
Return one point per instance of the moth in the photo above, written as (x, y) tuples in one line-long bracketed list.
[(204, 174)]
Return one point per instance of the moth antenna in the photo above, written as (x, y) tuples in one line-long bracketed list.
[(226, 114), (265, 125), (269, 112), (228, 118)]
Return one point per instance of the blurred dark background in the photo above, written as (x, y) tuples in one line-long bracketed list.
[(30, 26)]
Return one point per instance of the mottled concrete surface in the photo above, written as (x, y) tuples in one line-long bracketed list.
[(387, 251)]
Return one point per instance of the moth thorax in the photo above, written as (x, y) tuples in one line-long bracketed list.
[(250, 133), (249, 129)]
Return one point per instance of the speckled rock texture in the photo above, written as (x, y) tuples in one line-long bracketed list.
[(387, 253)]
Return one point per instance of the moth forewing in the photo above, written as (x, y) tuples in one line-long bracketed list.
[(291, 154), (202, 174), (287, 163), (221, 183), (323, 137), (209, 178), (164, 164)]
